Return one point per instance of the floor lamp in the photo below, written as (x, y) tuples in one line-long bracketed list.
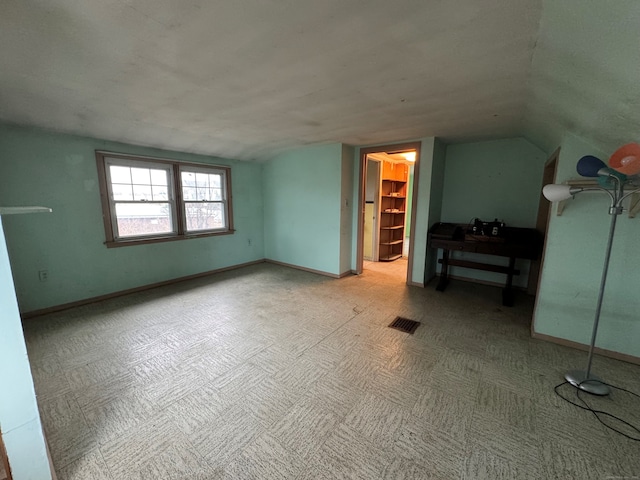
[(625, 161)]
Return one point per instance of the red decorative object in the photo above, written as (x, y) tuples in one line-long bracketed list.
[(626, 159)]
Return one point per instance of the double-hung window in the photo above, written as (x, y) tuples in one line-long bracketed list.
[(203, 195), (149, 200)]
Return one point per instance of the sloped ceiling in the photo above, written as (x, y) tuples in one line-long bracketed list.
[(585, 75), (249, 78)]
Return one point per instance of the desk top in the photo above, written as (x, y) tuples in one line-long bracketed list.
[(514, 242)]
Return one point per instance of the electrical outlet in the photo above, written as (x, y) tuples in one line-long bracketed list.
[(43, 275)]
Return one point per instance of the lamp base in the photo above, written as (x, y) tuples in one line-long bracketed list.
[(591, 384)]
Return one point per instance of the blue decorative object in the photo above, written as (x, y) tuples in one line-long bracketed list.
[(589, 165)]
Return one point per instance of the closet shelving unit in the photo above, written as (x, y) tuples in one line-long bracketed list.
[(393, 203)]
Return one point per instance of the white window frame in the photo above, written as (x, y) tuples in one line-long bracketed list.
[(171, 200), (175, 199), (225, 203)]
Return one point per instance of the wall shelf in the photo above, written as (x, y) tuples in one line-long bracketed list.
[(634, 199), (23, 210)]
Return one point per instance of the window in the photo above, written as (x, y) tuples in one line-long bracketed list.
[(203, 196), (150, 200)]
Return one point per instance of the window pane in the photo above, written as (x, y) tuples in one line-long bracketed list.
[(159, 177), (160, 193), (122, 192), (202, 180), (204, 216), (142, 192), (141, 176), (188, 179), (215, 180), (189, 193), (216, 194), (203, 194), (136, 219), (120, 174)]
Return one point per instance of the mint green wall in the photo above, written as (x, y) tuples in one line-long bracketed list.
[(499, 178), (346, 209), (302, 195), (59, 171), (573, 263), (494, 179), (19, 417)]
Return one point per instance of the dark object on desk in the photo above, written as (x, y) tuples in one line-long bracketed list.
[(493, 229), (513, 243)]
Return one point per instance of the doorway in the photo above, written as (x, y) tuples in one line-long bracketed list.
[(387, 209)]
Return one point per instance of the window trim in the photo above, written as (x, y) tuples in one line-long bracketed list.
[(225, 197), (176, 166), (171, 200)]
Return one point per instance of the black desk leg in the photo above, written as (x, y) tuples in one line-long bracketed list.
[(442, 284), (507, 292)]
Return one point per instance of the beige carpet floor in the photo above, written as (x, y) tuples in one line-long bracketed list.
[(271, 373)]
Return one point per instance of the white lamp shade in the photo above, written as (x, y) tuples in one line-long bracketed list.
[(556, 193)]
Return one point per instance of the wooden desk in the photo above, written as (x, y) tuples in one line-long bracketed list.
[(515, 243)]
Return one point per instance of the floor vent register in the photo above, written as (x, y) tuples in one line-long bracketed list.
[(404, 325)]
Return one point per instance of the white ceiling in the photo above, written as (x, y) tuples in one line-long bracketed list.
[(249, 78)]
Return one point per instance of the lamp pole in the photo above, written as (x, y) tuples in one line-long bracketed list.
[(625, 161), (583, 379)]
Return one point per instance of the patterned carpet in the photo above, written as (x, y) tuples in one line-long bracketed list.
[(272, 373)]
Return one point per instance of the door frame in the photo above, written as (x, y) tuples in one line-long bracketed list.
[(542, 225), (389, 149), (375, 247)]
